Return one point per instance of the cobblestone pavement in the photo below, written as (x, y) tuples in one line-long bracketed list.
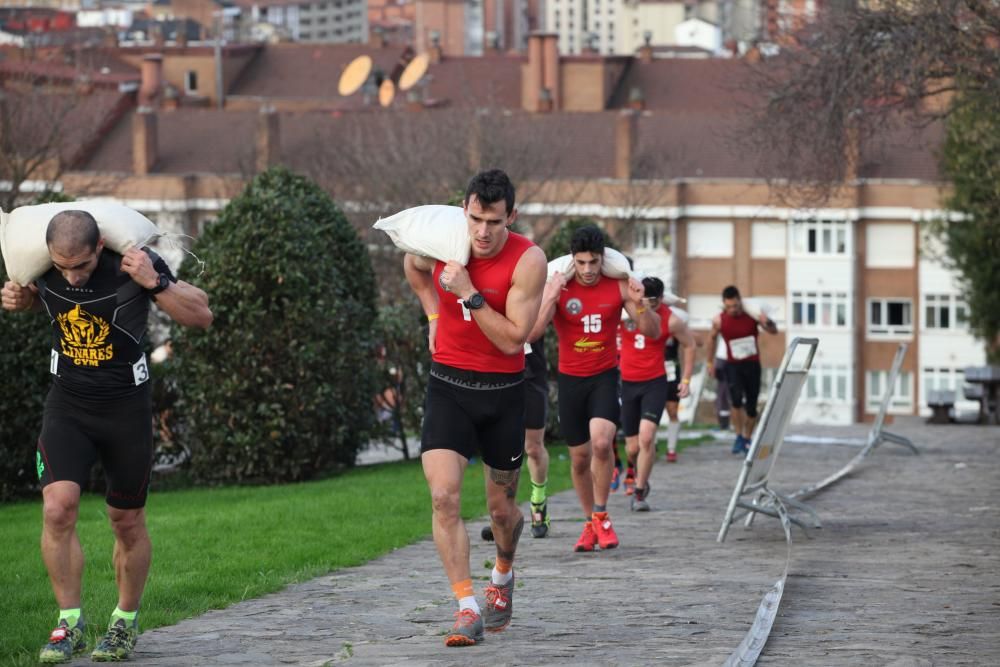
[(905, 572)]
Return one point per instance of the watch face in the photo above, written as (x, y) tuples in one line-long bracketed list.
[(476, 301)]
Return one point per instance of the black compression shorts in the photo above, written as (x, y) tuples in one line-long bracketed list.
[(584, 398), (744, 385), (475, 413), (77, 432), (642, 400)]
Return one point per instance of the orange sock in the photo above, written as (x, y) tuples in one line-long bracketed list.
[(463, 589), (503, 565)]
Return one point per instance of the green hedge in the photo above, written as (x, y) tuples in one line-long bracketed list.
[(280, 387)]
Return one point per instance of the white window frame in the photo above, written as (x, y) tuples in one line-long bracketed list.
[(941, 379), (885, 330), (901, 403), (651, 238), (823, 230), (828, 383), (834, 301), (950, 303)]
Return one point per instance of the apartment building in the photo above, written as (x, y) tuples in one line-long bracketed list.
[(326, 21)]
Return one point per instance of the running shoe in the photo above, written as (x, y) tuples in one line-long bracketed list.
[(671, 457), (588, 538), (540, 519), (467, 631), (499, 605), (629, 481), (487, 533), (117, 643), (741, 445), (64, 643), (616, 478), (605, 532), (638, 502)]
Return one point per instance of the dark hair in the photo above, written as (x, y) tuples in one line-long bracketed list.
[(587, 239), (654, 287), (72, 231), (730, 293), (490, 187)]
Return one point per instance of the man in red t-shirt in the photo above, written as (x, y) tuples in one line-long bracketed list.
[(739, 332), (480, 315), (646, 387), (586, 312)]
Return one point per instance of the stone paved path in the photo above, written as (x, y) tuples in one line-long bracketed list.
[(905, 572)]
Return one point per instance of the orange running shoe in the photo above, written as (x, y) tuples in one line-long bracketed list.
[(588, 539), (671, 457), (606, 537), (629, 481), (467, 631)]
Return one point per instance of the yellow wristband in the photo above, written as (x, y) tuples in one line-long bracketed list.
[(640, 310), (686, 381), (433, 316)]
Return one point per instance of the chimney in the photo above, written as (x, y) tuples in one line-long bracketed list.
[(378, 32), (636, 99), (550, 68), (268, 139), (626, 131), (152, 77), (544, 101), (533, 75), (144, 148), (181, 34), (434, 53), (646, 50)]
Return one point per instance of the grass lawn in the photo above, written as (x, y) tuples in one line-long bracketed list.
[(213, 547)]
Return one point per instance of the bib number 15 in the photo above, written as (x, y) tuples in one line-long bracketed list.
[(591, 323)]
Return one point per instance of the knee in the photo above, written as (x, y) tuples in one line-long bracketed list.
[(504, 514), (533, 447), (581, 464), (445, 503), (129, 526), (602, 448), (60, 514)]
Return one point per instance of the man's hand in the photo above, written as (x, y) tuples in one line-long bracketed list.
[(16, 297), (683, 390), (711, 366), (432, 328), (455, 279), (139, 266), (636, 291), (554, 287)]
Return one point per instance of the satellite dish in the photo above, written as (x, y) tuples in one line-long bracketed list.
[(355, 75), (414, 72), (386, 92)]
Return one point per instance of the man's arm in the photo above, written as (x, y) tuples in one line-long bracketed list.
[(17, 298), (550, 299), (183, 302), (713, 342), (679, 330), (767, 324), (647, 319), (420, 275), (510, 331)]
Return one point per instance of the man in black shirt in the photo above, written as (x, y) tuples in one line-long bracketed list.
[(99, 407)]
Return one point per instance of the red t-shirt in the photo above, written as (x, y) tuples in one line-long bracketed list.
[(586, 320), (460, 342), (740, 334), (644, 358)]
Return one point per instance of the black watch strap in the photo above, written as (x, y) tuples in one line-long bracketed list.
[(475, 302), (162, 283)]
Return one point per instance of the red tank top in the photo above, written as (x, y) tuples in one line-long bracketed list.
[(586, 320), (644, 358), (740, 334), (460, 342)]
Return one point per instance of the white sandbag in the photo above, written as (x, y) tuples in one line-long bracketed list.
[(672, 299), (754, 308), (22, 233), (615, 266), (438, 232)]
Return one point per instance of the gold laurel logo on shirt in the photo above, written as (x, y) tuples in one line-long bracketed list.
[(84, 336)]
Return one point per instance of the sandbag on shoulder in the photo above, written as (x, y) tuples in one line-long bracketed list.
[(22, 233), (615, 266), (438, 232)]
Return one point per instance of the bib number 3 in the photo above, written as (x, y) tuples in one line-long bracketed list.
[(140, 370)]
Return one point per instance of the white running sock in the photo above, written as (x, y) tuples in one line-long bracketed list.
[(673, 430), (469, 603), (499, 578)]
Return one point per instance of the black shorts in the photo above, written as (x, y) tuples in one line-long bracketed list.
[(536, 403), (475, 413), (642, 400), (77, 432), (584, 398), (743, 378)]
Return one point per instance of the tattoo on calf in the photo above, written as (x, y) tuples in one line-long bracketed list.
[(514, 539)]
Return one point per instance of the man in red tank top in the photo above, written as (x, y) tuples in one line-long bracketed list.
[(586, 312), (479, 317), (739, 332), (645, 386)]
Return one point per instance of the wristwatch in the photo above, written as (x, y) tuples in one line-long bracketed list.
[(162, 283), (475, 302)]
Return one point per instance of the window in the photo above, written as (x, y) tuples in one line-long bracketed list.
[(945, 311), (710, 239), (828, 382), (890, 246), (651, 237), (819, 237), (902, 396), (767, 239), (890, 317), (191, 82), (942, 379), (821, 309)]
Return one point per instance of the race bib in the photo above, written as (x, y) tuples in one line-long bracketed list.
[(671, 371), (54, 363), (140, 370), (742, 348), (527, 348)]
